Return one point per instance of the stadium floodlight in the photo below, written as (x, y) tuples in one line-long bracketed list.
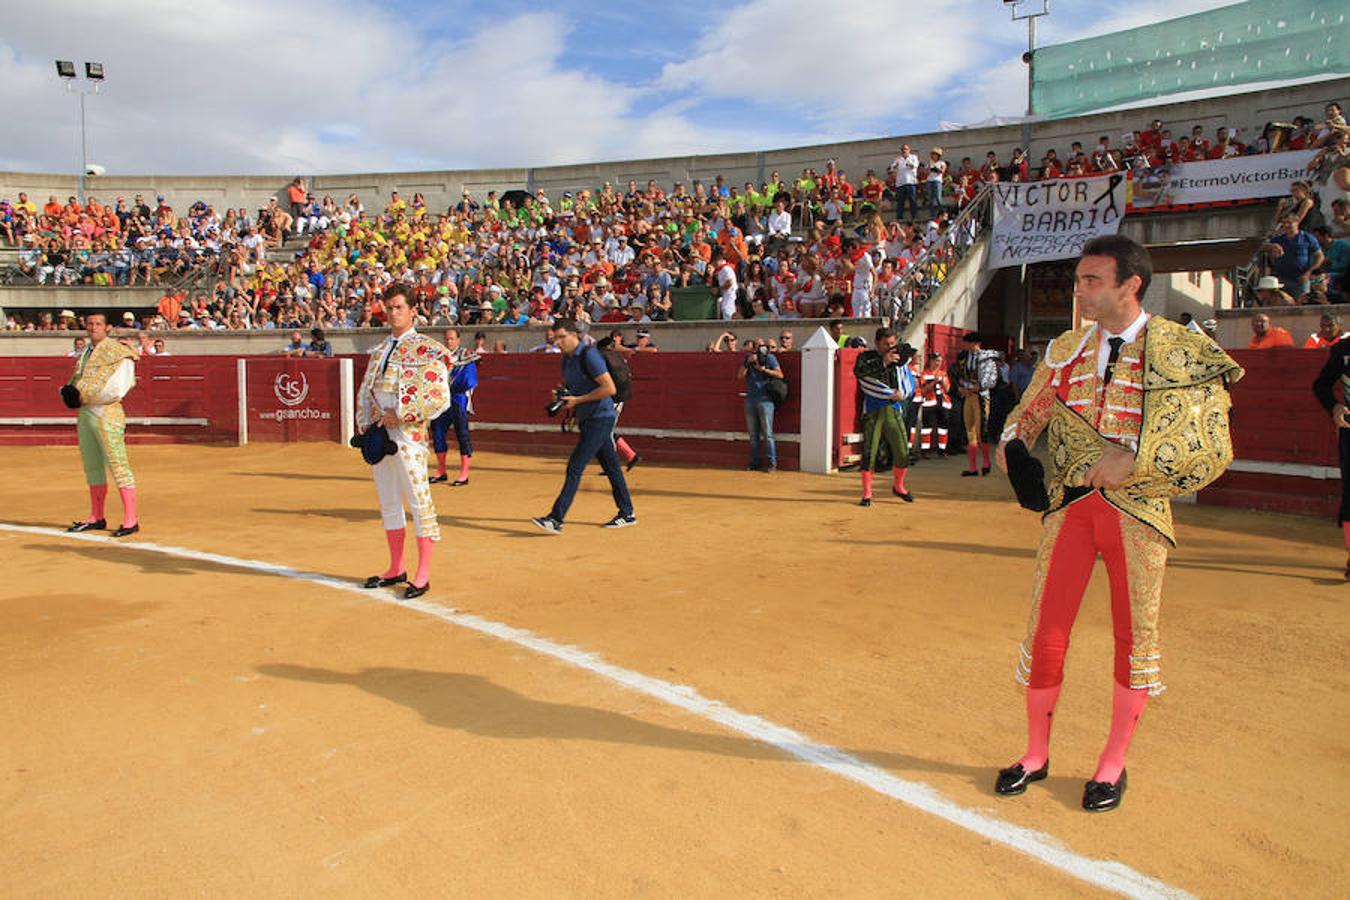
[(1014, 6), (93, 73)]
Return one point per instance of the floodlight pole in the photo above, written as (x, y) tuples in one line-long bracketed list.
[(1031, 17), (84, 141), (84, 150)]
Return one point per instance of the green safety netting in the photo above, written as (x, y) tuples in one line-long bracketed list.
[(1260, 40)]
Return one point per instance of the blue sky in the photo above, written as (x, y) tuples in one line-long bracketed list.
[(251, 86)]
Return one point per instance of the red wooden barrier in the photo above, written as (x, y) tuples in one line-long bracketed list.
[(673, 393), (177, 387), (1276, 419)]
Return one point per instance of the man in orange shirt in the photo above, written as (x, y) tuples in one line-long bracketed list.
[(1266, 337), (1328, 332), (170, 305)]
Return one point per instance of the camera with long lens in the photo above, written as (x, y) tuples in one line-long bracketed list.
[(556, 405)]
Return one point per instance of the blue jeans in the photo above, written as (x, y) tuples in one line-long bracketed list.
[(759, 422), (933, 189), (597, 439), (907, 194)]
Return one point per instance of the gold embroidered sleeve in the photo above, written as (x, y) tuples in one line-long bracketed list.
[(1184, 442), (1032, 414)]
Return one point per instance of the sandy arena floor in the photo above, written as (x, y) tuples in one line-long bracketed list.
[(186, 727)]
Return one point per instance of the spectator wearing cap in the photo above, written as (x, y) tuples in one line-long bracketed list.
[(1266, 336), (644, 342), (68, 320), (937, 171), (129, 320)]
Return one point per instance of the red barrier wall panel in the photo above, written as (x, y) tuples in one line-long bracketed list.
[(294, 399), (197, 387), (671, 390), (1275, 418)]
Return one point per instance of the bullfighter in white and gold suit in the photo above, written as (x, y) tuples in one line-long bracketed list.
[(406, 386), (104, 373)]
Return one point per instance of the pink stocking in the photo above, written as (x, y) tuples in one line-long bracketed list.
[(424, 547), (1127, 705), (867, 484), (98, 495), (440, 465), (1345, 528), (395, 538), (970, 456), (128, 506), (1040, 716), (899, 474), (625, 451), (464, 467)]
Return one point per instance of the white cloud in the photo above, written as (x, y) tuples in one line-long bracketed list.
[(841, 65), (315, 86), (252, 86)]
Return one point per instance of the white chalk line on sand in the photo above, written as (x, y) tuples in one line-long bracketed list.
[(1108, 874)]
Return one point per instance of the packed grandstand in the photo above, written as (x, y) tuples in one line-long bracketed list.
[(600, 254)]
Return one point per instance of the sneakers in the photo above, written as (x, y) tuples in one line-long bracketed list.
[(619, 521), (548, 523)]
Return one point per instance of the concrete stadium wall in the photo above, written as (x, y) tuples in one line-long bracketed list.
[(1248, 111)]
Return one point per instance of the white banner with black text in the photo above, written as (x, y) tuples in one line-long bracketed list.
[(1038, 221), (1217, 180)]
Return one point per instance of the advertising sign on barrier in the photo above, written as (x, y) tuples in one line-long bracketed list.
[(1218, 180), (1038, 221), (294, 399)]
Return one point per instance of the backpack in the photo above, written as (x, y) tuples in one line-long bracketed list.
[(619, 371)]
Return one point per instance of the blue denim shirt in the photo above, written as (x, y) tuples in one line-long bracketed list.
[(755, 379), (580, 371)]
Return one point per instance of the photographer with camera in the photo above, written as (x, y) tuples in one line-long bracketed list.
[(887, 384), (587, 391), (757, 369), (405, 388)]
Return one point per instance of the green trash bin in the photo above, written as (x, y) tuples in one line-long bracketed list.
[(692, 303)]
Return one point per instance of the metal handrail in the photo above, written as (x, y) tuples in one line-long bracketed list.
[(924, 277)]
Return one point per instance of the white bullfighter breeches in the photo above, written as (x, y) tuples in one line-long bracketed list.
[(401, 480)]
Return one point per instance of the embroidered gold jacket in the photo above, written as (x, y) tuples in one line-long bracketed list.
[(101, 380), (1167, 403), (416, 375)]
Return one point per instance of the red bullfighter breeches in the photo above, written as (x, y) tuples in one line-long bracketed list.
[(1135, 557)]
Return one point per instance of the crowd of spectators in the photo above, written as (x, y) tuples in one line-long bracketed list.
[(822, 245)]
